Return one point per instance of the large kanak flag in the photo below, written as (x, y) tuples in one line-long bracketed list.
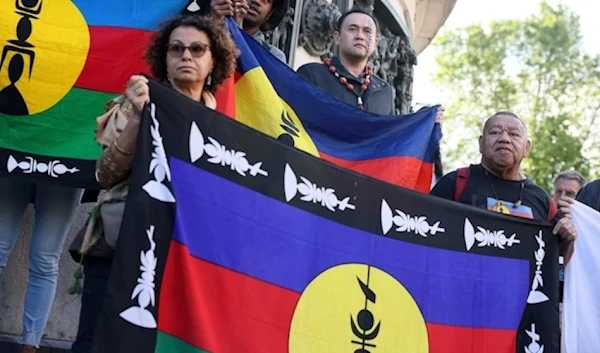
[(234, 242)]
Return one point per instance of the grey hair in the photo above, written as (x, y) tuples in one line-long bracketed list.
[(571, 175)]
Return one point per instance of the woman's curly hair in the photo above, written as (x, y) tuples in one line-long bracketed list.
[(222, 47)]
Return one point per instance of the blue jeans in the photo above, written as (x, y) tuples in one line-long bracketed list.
[(55, 207)]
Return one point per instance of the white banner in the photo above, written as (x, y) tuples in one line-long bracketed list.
[(581, 308)]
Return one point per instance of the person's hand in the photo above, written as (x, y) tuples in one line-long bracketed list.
[(222, 8), (241, 8), (565, 229), (439, 117), (138, 93), (564, 205)]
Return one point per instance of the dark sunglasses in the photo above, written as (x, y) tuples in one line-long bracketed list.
[(196, 49)]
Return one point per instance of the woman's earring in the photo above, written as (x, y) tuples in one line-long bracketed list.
[(168, 77), (209, 80)]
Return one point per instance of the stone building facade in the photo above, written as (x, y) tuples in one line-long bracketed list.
[(305, 35)]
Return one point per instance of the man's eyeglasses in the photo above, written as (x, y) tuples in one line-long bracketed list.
[(196, 49)]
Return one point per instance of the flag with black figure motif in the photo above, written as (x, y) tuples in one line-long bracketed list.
[(233, 242), (61, 62)]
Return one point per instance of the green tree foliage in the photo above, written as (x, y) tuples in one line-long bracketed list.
[(535, 67)]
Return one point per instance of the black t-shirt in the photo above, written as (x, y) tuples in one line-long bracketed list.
[(479, 188)]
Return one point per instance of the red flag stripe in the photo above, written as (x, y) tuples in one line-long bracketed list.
[(453, 339), (225, 97), (407, 172), (114, 55), (219, 310)]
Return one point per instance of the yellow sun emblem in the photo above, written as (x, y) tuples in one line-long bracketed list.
[(357, 308)]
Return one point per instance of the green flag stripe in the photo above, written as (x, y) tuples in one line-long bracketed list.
[(65, 130), (166, 343)]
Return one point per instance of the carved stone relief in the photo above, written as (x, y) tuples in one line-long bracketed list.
[(281, 36), (367, 5), (393, 61), (407, 59), (319, 19)]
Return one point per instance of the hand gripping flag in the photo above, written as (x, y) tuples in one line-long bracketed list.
[(233, 242)]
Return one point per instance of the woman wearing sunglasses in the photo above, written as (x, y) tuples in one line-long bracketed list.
[(192, 54)]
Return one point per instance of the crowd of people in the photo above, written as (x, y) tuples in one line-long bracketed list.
[(194, 54)]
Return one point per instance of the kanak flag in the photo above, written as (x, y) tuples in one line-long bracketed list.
[(234, 242), (62, 62), (272, 98), (272, 278)]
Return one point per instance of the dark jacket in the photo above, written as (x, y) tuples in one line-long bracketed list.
[(590, 194), (378, 99)]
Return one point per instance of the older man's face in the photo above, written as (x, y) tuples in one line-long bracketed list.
[(504, 142), (565, 187)]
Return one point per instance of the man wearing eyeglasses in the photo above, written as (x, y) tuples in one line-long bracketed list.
[(254, 16)]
